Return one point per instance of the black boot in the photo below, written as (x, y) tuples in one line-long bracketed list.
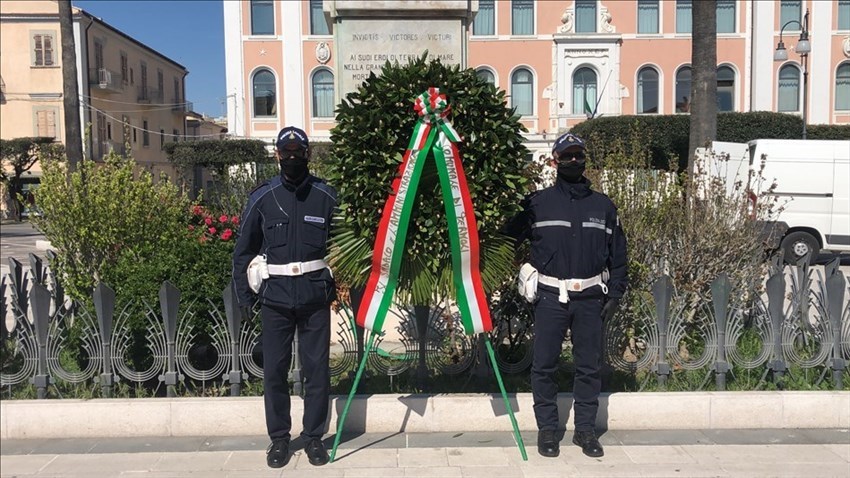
[(316, 452), (547, 443), (277, 456), (589, 443)]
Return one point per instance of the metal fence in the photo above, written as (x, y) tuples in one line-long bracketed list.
[(801, 321)]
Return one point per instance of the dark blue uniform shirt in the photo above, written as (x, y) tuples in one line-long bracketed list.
[(575, 233), (288, 223)]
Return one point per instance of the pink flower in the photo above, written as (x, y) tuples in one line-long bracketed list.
[(235, 220), (208, 221), (191, 227), (197, 210), (212, 230), (223, 219), (226, 234)]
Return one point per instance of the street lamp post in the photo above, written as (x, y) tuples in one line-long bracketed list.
[(803, 48)]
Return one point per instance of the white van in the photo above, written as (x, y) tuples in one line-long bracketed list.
[(812, 182)]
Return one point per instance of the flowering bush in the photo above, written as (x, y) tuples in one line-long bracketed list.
[(212, 227), (208, 254)]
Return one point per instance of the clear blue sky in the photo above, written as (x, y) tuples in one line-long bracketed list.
[(189, 32)]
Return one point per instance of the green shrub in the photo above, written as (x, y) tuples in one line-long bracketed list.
[(233, 165), (112, 224), (666, 136), (744, 127), (663, 137), (374, 125), (828, 131), (217, 154)]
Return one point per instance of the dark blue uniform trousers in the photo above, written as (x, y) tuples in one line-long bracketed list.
[(314, 329), (552, 319)]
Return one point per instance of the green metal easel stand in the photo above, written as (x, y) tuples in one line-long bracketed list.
[(341, 423), (351, 395), (517, 435)]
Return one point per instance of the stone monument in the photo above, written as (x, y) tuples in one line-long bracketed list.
[(367, 33)]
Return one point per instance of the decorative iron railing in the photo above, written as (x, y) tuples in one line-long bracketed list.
[(801, 320)]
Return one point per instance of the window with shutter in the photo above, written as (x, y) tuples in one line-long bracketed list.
[(42, 47), (46, 123), (42, 44), (39, 51), (125, 77), (48, 50)]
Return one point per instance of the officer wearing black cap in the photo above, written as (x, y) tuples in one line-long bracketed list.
[(283, 234), (575, 278)]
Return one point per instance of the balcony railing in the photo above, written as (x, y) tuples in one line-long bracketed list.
[(179, 106), (106, 80), (107, 146), (149, 95)]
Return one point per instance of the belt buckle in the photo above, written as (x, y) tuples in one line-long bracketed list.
[(296, 269), (577, 286)]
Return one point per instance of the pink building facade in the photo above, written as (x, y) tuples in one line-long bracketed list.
[(558, 61)]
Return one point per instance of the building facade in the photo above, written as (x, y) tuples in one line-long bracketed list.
[(202, 127), (558, 61), (129, 93)]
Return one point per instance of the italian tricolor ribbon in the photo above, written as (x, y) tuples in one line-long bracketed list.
[(431, 133)]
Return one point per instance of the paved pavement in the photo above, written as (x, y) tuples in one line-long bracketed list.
[(743, 453), (18, 240)]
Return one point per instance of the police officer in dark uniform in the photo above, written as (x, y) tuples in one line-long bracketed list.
[(579, 253), (287, 221)]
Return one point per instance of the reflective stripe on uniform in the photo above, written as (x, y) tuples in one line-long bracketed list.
[(597, 226), (551, 223)]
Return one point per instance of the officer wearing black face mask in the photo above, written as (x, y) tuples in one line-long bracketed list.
[(578, 255), (287, 222)]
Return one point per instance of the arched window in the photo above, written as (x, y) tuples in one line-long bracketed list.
[(522, 92), (265, 94), (789, 88), (725, 89), (486, 75), (323, 94), (842, 87), (584, 91), (647, 90), (683, 89)]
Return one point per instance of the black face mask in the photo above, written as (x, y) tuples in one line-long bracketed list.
[(571, 171), (294, 169)]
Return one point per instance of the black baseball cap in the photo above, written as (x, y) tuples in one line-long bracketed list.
[(291, 138), (565, 141)]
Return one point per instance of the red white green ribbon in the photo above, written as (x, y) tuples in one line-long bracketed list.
[(432, 132)]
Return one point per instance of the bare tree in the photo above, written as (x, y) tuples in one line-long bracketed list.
[(704, 86), (70, 88)]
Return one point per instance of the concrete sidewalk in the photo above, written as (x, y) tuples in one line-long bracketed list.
[(753, 452), (18, 239)]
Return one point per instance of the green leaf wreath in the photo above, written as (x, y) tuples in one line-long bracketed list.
[(373, 130)]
